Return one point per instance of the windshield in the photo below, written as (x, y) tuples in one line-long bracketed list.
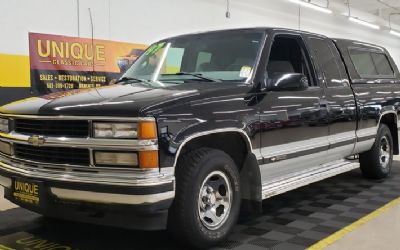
[(210, 57)]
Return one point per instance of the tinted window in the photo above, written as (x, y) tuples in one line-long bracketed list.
[(219, 56), (382, 64), (363, 62), (288, 56), (202, 59), (173, 61), (328, 62)]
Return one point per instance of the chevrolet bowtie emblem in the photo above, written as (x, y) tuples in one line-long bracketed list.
[(36, 140)]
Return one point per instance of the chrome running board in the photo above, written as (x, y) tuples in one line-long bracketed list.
[(300, 179)]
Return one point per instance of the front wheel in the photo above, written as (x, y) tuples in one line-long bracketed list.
[(377, 162), (207, 201)]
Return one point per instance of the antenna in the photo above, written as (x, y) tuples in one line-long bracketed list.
[(348, 8), (299, 18), (91, 25), (228, 9), (78, 18)]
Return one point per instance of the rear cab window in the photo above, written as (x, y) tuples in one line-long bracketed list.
[(382, 64), (367, 63), (371, 64)]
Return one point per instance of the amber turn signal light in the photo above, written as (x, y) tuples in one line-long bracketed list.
[(148, 159), (147, 130)]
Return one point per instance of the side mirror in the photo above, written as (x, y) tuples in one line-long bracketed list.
[(286, 82)]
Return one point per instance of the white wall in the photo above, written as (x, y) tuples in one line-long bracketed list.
[(146, 21)]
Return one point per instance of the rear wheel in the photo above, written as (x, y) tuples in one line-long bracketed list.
[(207, 202), (377, 162)]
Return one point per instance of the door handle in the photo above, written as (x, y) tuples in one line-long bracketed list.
[(324, 104)]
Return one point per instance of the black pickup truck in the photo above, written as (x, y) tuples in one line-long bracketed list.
[(202, 125)]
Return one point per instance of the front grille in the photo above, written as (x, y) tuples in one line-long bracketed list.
[(71, 156), (62, 128)]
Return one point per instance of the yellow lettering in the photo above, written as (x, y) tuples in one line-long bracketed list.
[(24, 240), (89, 49), (46, 77), (57, 49), (100, 53), (35, 190), (41, 244), (60, 248), (67, 50), (31, 242), (40, 48), (77, 54)]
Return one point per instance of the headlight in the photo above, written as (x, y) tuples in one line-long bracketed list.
[(5, 148), (142, 159), (144, 130), (115, 130), (4, 127), (116, 158)]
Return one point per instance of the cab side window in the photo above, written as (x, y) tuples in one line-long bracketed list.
[(382, 64), (333, 70), (288, 56), (371, 64), (363, 63)]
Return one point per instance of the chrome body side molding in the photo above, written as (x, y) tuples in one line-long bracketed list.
[(295, 147), (365, 139), (341, 143), (272, 171)]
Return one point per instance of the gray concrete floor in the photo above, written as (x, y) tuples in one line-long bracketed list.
[(379, 233), (5, 204)]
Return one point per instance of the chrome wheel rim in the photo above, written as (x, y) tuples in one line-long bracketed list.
[(385, 152), (215, 200)]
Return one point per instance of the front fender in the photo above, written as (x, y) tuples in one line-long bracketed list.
[(171, 143)]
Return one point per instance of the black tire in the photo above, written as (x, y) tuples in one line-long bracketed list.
[(376, 164), (193, 171)]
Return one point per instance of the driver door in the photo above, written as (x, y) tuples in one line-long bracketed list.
[(294, 128)]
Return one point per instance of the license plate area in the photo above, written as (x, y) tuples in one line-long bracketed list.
[(27, 191)]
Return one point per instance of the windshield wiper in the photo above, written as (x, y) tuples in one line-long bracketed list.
[(128, 79), (198, 75)]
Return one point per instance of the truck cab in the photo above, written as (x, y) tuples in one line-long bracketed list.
[(202, 126)]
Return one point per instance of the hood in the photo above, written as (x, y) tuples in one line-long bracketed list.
[(116, 100)]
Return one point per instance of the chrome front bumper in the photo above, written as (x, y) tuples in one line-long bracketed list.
[(95, 186)]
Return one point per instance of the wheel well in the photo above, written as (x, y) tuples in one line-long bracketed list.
[(231, 143), (391, 121), (238, 147)]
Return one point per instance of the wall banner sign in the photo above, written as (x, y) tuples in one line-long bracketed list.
[(60, 63)]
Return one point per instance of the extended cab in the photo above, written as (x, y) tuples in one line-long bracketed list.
[(201, 125)]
